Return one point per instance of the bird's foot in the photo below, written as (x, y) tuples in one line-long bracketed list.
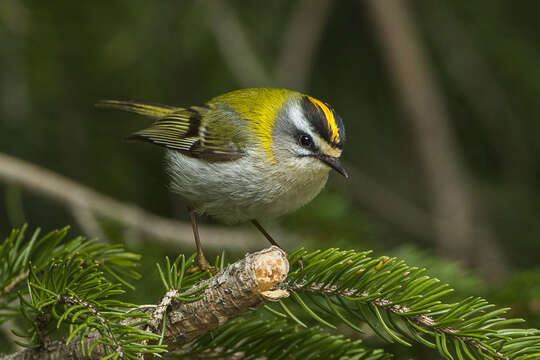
[(203, 265)]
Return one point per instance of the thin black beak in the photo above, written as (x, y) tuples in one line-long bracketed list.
[(334, 164)]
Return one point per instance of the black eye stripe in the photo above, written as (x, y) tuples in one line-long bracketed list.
[(319, 124)]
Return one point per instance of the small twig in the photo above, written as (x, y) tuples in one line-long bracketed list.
[(73, 301), (161, 309), (424, 321), (74, 195), (13, 283)]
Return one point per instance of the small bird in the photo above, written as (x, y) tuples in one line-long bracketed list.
[(245, 155)]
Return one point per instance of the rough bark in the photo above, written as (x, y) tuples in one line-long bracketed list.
[(244, 285)]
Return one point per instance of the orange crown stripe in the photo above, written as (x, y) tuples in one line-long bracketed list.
[(332, 126)]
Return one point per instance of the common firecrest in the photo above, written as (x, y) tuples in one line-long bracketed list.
[(245, 155)]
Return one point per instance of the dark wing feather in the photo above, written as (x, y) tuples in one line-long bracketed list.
[(177, 131), (183, 129)]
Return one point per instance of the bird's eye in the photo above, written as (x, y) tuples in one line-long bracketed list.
[(305, 141)]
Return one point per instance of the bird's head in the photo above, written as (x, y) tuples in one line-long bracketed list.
[(309, 134)]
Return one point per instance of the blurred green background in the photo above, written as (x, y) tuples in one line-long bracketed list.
[(439, 99)]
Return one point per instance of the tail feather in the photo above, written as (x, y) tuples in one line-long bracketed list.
[(137, 107)]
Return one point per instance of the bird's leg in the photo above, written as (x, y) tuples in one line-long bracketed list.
[(272, 241), (202, 263), (266, 235)]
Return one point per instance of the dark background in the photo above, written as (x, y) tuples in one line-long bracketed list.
[(439, 99)]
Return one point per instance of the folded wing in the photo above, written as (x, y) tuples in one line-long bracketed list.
[(198, 131)]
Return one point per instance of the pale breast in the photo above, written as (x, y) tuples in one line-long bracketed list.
[(243, 189)]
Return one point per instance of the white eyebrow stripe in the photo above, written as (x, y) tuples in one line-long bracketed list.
[(296, 114)]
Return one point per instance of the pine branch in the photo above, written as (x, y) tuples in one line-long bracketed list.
[(254, 337), (401, 304), (65, 285), (71, 285), (16, 256)]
